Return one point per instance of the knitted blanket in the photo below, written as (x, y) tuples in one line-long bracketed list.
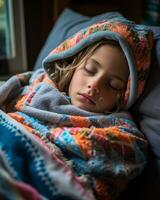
[(50, 149)]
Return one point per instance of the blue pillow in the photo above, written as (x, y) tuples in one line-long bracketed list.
[(68, 23)]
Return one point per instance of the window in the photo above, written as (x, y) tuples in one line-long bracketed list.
[(12, 37)]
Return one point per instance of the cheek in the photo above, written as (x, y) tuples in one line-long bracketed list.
[(79, 78), (70, 88), (109, 98), (75, 83)]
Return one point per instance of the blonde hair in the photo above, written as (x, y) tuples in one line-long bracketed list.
[(64, 69)]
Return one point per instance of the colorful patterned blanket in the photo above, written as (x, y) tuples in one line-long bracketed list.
[(50, 149)]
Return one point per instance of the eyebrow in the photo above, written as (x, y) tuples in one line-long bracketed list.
[(113, 75)]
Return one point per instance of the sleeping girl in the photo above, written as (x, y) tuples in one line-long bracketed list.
[(67, 133)]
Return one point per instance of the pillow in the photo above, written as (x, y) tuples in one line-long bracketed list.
[(68, 23)]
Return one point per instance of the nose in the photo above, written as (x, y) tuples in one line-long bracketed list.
[(93, 88)]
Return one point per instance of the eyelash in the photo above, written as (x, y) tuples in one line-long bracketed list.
[(109, 85), (113, 87)]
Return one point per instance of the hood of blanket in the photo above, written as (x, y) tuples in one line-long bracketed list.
[(135, 40)]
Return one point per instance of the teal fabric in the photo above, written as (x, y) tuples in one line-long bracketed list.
[(26, 161)]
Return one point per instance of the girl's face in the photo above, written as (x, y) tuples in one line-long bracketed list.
[(97, 82)]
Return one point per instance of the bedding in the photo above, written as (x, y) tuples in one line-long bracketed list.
[(45, 154), (145, 111)]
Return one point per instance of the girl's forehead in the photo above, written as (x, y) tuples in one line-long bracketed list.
[(109, 57), (109, 53), (104, 48)]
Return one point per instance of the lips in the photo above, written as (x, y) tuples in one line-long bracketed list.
[(87, 98)]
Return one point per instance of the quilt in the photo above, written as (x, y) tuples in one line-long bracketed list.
[(50, 149)]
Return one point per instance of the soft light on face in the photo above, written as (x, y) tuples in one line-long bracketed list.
[(97, 82)]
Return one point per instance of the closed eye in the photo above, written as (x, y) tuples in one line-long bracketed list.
[(116, 84), (89, 69), (115, 88)]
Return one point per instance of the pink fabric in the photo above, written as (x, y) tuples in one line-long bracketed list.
[(28, 192)]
